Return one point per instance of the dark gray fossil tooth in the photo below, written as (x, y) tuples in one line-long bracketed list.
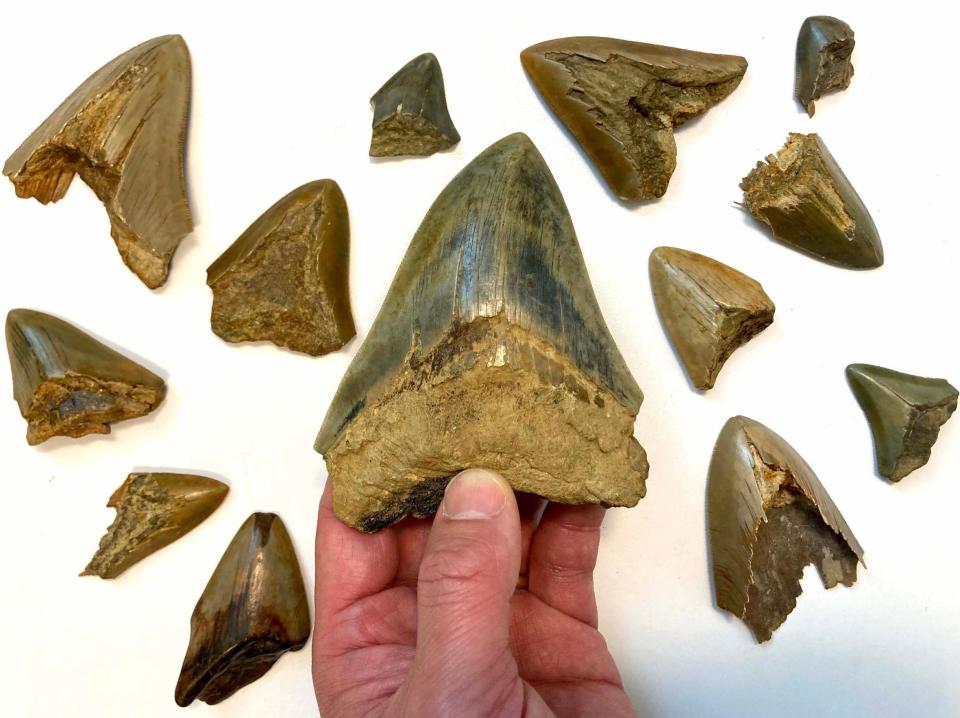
[(69, 384), (824, 46), (253, 610), (769, 517), (489, 350), (905, 413), (123, 132), (410, 114)]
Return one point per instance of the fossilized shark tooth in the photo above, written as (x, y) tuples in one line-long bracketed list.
[(69, 384), (804, 197), (153, 511), (824, 46), (707, 308), (410, 114), (123, 132), (253, 610), (622, 100), (905, 413), (769, 517), (286, 278), (489, 350)]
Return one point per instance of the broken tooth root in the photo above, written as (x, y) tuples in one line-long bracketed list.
[(824, 47)]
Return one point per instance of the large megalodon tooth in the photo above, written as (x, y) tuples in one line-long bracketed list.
[(69, 384), (253, 610), (769, 517), (153, 511), (824, 46), (123, 132), (489, 350), (286, 278), (621, 101)]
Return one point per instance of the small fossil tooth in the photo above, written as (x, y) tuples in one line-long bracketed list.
[(905, 413), (123, 132), (285, 279), (707, 308), (153, 511), (621, 101), (804, 197), (489, 350), (769, 517), (410, 114), (69, 384), (253, 610), (824, 46)]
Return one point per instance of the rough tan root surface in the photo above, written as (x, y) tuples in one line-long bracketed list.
[(401, 134), (490, 395)]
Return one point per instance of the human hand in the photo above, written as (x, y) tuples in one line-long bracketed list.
[(425, 618)]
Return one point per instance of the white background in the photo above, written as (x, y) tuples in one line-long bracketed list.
[(281, 97)]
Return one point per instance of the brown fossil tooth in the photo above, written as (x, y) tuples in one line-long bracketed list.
[(621, 100), (707, 308), (253, 610), (770, 517), (153, 511), (489, 350), (824, 46), (69, 384), (123, 132), (410, 114), (286, 278), (804, 197), (905, 413)]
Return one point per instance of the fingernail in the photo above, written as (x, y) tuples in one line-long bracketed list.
[(474, 494)]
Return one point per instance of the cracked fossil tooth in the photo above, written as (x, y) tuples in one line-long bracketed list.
[(804, 197), (824, 46), (905, 413), (123, 132), (153, 511), (769, 517), (285, 279), (410, 114), (69, 384), (621, 100), (489, 350), (707, 308), (253, 610)]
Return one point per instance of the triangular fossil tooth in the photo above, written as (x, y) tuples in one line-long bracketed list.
[(153, 511), (69, 384), (410, 114), (804, 197), (489, 350), (824, 46), (253, 610), (621, 100), (707, 308), (905, 413), (286, 278), (123, 132), (769, 517)]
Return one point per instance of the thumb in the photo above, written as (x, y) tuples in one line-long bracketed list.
[(467, 576)]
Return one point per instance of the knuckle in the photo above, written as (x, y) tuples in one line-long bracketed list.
[(457, 566)]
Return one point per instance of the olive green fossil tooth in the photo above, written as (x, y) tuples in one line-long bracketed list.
[(69, 384), (286, 278), (489, 350), (707, 308), (621, 101), (123, 132), (253, 610), (804, 197), (824, 46), (769, 517), (905, 413), (410, 114), (153, 511)]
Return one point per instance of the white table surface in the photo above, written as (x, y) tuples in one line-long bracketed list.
[(281, 97)]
